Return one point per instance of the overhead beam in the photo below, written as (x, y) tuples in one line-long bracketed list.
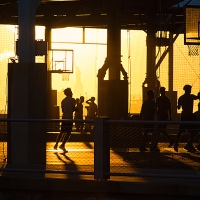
[(168, 48)]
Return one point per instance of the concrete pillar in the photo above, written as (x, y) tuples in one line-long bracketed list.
[(171, 93), (113, 93), (171, 67), (27, 99), (151, 81), (101, 149), (151, 59), (113, 99), (114, 39), (48, 34), (26, 20)]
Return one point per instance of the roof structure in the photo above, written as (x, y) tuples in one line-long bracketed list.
[(134, 14)]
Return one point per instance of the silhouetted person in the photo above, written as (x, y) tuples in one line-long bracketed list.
[(163, 105), (197, 118), (77, 100), (79, 114), (68, 107), (91, 111), (147, 112), (186, 102)]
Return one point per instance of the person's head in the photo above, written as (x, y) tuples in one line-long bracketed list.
[(82, 99), (150, 94), (162, 90), (77, 100), (92, 99), (68, 92), (187, 89)]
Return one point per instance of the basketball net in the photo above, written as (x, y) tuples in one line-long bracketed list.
[(65, 76), (193, 50)]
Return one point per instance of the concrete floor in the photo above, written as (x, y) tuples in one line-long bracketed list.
[(134, 175)]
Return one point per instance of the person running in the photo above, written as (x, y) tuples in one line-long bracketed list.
[(68, 107), (186, 102), (163, 105)]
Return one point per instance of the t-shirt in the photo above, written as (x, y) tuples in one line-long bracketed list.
[(163, 104), (186, 101), (68, 105), (92, 111), (148, 110)]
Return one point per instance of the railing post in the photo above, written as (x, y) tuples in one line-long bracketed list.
[(101, 149)]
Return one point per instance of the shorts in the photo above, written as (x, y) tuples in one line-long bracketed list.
[(66, 127)]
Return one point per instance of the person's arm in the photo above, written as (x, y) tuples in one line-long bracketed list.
[(155, 111), (74, 105), (196, 97), (88, 101), (142, 112), (96, 113), (179, 104), (170, 111)]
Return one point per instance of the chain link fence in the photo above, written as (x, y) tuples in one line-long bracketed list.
[(111, 149), (126, 157)]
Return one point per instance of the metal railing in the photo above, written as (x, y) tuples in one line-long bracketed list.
[(108, 148)]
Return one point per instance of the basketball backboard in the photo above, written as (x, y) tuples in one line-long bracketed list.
[(192, 25), (62, 61)]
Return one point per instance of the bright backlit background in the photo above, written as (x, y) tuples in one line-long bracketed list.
[(89, 56)]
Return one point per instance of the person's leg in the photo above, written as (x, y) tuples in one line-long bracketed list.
[(198, 145), (171, 141), (58, 139), (144, 140), (189, 146), (81, 125), (177, 139), (154, 139), (68, 130)]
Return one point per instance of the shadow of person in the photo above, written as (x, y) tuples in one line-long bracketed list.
[(69, 165)]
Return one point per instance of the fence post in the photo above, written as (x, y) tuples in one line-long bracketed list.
[(101, 149)]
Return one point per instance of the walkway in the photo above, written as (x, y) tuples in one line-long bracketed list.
[(81, 157)]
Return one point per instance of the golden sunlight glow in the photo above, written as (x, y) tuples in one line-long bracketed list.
[(89, 52)]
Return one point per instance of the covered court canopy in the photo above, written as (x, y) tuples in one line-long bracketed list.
[(133, 14)]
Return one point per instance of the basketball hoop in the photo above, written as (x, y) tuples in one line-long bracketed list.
[(193, 50), (65, 76)]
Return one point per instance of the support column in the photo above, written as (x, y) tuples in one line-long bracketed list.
[(27, 88), (114, 40), (26, 20), (53, 109), (172, 94), (101, 149), (49, 78), (48, 34), (151, 81), (151, 56), (171, 67), (113, 93)]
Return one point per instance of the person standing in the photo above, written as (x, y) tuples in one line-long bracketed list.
[(186, 102), (148, 111), (68, 107), (79, 114), (163, 105), (91, 112)]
